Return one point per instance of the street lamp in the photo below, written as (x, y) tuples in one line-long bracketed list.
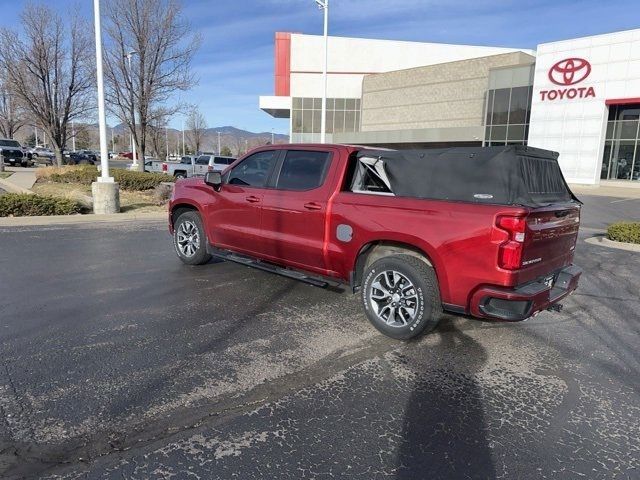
[(272, 136), (324, 5), (218, 142), (183, 145), (134, 155), (106, 197)]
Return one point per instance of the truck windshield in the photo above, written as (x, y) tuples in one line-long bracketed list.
[(9, 143)]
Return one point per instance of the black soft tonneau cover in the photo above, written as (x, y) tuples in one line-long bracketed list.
[(506, 175)]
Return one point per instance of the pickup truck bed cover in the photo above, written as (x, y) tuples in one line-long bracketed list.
[(511, 175)]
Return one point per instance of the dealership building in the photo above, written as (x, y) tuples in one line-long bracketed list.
[(579, 97)]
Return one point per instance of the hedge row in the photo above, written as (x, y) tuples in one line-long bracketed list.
[(624, 232), (24, 204), (127, 179)]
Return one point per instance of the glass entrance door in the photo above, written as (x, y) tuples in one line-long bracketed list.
[(621, 159)]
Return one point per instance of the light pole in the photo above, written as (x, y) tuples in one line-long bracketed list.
[(73, 136), (218, 142), (134, 156), (35, 129), (106, 197), (272, 136), (324, 5), (183, 145), (166, 140)]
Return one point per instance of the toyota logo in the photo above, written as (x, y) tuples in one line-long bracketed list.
[(569, 71)]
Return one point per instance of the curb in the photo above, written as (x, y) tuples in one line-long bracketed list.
[(603, 241), (80, 219)]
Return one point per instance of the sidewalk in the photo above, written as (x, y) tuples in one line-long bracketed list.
[(606, 191), (20, 182), (81, 219)]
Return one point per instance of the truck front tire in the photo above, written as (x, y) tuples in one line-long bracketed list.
[(190, 239), (401, 296)]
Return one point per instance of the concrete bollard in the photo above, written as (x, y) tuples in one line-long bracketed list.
[(106, 197)]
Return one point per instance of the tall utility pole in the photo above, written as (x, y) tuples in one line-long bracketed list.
[(272, 142), (218, 142), (324, 5), (73, 136), (183, 144), (106, 197), (35, 130), (134, 155), (166, 140)]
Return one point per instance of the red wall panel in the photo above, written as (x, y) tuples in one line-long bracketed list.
[(282, 63)]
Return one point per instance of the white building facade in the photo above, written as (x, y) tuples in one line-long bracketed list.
[(586, 105), (578, 97)]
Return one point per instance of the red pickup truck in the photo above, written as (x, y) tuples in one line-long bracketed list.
[(488, 232)]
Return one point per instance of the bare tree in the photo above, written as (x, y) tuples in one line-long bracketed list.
[(239, 144), (157, 133), (11, 114), (196, 126), (160, 45), (49, 69)]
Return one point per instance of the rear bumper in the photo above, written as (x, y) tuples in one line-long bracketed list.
[(524, 301)]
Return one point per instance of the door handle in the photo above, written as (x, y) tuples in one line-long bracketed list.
[(312, 206), (252, 199)]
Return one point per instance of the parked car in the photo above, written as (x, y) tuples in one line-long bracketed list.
[(185, 168), (94, 156), (79, 158), (42, 155), (150, 165), (128, 155), (14, 154), (190, 165), (488, 232), (214, 162)]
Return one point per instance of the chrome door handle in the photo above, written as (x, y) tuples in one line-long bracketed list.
[(252, 199)]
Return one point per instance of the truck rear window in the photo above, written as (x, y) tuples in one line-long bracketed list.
[(543, 180)]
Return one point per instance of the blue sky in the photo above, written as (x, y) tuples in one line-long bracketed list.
[(235, 61)]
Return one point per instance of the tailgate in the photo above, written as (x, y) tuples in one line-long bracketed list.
[(550, 240)]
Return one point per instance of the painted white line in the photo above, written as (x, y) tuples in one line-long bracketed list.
[(625, 200)]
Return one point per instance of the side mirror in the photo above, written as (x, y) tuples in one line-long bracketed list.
[(213, 179)]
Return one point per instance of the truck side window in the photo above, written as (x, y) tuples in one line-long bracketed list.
[(186, 160), (254, 170), (303, 170), (370, 176), (202, 160)]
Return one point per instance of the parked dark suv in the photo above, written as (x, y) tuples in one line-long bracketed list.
[(13, 153), (80, 158)]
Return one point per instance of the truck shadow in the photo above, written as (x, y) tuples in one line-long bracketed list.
[(444, 429)]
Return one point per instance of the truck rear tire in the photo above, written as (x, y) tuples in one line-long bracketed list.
[(401, 296), (190, 239)]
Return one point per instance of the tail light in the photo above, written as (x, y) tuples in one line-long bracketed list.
[(510, 252), (209, 168), (165, 167)]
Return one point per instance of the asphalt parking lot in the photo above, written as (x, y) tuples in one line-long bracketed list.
[(120, 362)]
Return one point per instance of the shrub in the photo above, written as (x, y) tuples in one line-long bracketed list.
[(162, 193), (83, 174), (86, 174), (23, 204), (138, 181), (624, 232)]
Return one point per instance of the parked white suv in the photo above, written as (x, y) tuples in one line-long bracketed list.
[(214, 163)]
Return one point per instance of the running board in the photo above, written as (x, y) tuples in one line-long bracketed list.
[(267, 267)]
